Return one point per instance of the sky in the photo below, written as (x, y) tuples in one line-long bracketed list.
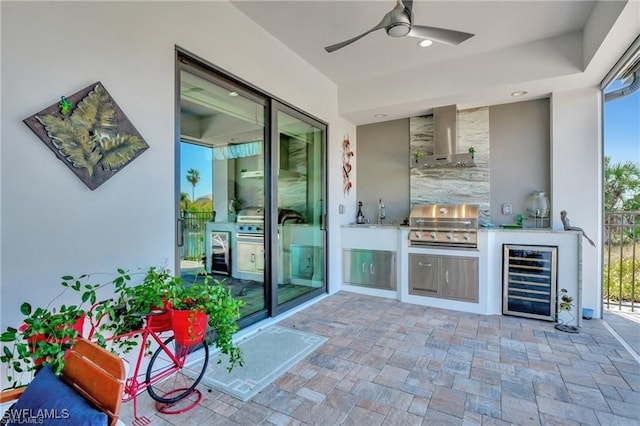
[(196, 157), (622, 129)]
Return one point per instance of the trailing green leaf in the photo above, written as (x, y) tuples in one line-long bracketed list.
[(25, 308)]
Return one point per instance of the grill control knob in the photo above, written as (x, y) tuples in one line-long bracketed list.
[(433, 235), (240, 228), (418, 234), (466, 236), (450, 236)]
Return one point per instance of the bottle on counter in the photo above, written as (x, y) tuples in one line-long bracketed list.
[(359, 215)]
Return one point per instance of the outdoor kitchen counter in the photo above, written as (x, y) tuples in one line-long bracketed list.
[(489, 255)]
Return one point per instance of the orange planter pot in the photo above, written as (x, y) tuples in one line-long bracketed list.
[(188, 327)]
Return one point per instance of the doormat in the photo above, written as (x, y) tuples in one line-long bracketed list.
[(267, 355)]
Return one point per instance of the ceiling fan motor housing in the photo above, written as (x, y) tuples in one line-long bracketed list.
[(400, 21), (398, 29)]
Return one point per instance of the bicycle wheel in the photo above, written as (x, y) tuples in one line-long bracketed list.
[(168, 381)]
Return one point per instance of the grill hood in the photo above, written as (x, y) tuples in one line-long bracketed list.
[(445, 141)]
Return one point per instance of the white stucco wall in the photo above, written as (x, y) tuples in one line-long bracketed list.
[(576, 178), (51, 223)]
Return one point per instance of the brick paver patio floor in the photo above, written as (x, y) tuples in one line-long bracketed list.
[(392, 363)]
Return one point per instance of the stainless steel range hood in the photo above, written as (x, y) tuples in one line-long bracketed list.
[(445, 141)]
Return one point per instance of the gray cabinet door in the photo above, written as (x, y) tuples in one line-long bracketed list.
[(383, 269), (424, 272), (356, 266), (370, 268), (459, 278)]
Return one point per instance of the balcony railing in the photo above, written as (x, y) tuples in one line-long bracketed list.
[(193, 231), (621, 260)]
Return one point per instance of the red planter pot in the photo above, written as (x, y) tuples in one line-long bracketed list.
[(188, 327), (33, 340), (161, 322)]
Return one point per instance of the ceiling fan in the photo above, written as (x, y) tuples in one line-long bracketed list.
[(399, 23)]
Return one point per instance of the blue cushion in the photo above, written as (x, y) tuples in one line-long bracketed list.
[(48, 398)]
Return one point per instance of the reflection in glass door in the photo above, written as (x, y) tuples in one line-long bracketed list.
[(299, 194), (222, 186), (252, 181)]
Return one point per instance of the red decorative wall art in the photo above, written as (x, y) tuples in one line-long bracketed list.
[(347, 153)]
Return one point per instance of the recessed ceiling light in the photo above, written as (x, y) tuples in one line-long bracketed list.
[(233, 93), (380, 115), (519, 93), (425, 43)]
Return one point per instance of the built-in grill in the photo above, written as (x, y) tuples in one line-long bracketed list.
[(444, 225), (250, 221)]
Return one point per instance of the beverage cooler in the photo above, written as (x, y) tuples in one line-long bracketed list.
[(530, 281), (218, 252)]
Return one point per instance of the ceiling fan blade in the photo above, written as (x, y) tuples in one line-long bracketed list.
[(441, 35), (385, 21)]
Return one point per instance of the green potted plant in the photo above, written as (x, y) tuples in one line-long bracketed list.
[(198, 305), (46, 333), (148, 296)]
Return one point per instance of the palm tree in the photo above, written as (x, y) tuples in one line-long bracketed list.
[(621, 185), (184, 201), (193, 177)]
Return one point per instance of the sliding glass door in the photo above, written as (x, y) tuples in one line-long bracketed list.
[(222, 186), (298, 194), (251, 182)]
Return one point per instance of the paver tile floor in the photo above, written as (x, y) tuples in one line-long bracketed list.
[(392, 363)]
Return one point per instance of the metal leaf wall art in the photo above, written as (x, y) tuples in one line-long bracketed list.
[(95, 139)]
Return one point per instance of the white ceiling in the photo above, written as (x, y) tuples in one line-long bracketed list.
[(537, 46)]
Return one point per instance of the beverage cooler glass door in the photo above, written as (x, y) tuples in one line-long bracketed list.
[(529, 281)]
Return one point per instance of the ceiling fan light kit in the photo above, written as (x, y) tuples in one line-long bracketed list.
[(399, 23)]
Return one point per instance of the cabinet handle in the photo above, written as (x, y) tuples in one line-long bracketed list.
[(363, 267), (372, 270), (253, 257), (446, 277), (428, 265)]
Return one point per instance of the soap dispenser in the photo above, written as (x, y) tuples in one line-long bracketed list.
[(359, 216), (381, 212)]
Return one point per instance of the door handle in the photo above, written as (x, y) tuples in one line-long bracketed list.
[(427, 265), (372, 269), (253, 257), (180, 232)]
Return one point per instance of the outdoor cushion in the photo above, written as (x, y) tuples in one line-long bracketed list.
[(49, 398)]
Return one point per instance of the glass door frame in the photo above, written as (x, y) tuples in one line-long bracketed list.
[(271, 231), (189, 63), (185, 60)]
